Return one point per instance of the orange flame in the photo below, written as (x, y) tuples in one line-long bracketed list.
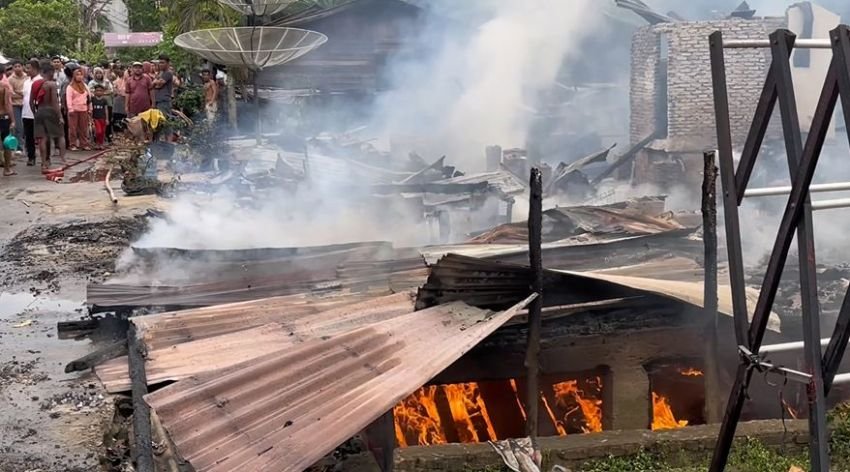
[(559, 425), (591, 408), (691, 372), (662, 414), (418, 413), (437, 414), (465, 403), (518, 402)]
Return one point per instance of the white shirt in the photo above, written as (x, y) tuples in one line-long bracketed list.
[(27, 111)]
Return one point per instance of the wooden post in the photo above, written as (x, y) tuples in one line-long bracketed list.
[(141, 410), (532, 359), (380, 437), (713, 403)]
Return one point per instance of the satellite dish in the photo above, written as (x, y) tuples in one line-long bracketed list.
[(255, 47), (258, 7)]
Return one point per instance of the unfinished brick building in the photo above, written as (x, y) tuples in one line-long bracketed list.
[(671, 91)]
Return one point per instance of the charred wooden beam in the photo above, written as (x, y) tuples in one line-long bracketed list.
[(141, 411), (713, 410), (76, 328), (380, 437), (89, 361), (625, 158), (535, 253), (730, 200)]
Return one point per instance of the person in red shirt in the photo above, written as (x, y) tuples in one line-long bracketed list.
[(139, 87)]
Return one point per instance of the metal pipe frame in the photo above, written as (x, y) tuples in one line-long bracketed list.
[(815, 43), (787, 347), (763, 366), (841, 379), (814, 188), (802, 161), (831, 204)]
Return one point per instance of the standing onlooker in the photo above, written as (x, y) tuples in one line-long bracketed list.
[(16, 81), (58, 76), (210, 94), (138, 88), (100, 115), (164, 86), (68, 73), (100, 79), (78, 99), (8, 71), (148, 69), (27, 113), (119, 105), (7, 123), (48, 114)]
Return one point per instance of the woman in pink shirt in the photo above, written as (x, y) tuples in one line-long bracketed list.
[(78, 98)]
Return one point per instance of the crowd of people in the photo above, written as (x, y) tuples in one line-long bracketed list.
[(54, 105)]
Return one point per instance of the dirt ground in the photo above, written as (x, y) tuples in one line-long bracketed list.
[(54, 239)]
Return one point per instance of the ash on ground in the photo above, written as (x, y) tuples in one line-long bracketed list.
[(43, 254)]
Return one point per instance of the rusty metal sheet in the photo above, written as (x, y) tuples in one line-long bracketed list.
[(687, 291), (165, 329), (488, 283), (636, 217), (287, 409), (189, 356), (216, 277)]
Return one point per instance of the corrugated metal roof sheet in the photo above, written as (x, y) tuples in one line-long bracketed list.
[(488, 283), (239, 275), (165, 329), (584, 252), (287, 409), (502, 180), (630, 218), (188, 356)]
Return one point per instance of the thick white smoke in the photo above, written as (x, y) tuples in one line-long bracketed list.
[(480, 86), (488, 60)]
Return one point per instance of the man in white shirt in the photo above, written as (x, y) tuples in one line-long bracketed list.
[(32, 70)]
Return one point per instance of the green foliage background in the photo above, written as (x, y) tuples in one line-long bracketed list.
[(39, 28)]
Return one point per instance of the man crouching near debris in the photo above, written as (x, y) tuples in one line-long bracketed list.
[(48, 116)]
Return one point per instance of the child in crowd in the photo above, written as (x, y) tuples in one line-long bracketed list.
[(100, 115)]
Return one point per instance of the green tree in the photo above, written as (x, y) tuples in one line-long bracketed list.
[(144, 15), (40, 28)]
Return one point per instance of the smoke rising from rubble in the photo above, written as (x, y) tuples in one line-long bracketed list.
[(710, 9), (480, 88)]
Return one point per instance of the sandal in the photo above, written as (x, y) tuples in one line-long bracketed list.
[(9, 173), (73, 149)]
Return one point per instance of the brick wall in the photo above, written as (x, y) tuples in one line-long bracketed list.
[(690, 99), (643, 84), (690, 105)]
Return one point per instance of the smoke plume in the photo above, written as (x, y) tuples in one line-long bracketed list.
[(479, 85)]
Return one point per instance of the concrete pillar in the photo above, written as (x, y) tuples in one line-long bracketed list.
[(631, 400)]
